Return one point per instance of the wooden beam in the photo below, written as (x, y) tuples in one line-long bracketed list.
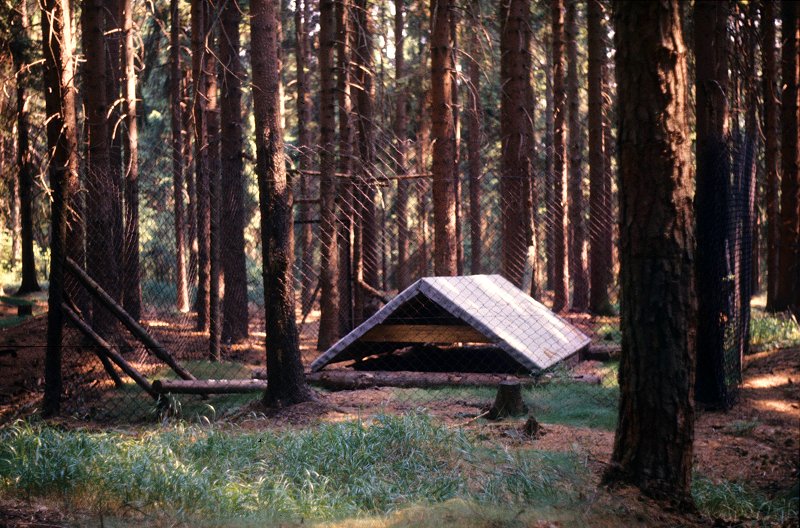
[(236, 386), (386, 333), (135, 328), (109, 351)]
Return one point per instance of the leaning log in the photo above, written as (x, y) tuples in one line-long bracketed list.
[(134, 327), (237, 386), (108, 351)]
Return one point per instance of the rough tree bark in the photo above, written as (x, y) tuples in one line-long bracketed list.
[(600, 214), (515, 135), (329, 253), (286, 384), (577, 230), (474, 133), (176, 122), (62, 143), (444, 205), (653, 442), (20, 51), (232, 210), (788, 288), (132, 273), (711, 207), (102, 260), (558, 206)]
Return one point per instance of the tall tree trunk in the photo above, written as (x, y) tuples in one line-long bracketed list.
[(474, 133), (329, 282), (711, 207), (102, 251), (20, 55), (304, 106), (188, 127), (176, 122), (444, 206), (201, 179), (214, 183), (653, 442), (456, 109), (423, 148), (558, 207), (62, 142), (788, 289), (609, 155), (771, 159), (515, 134), (365, 256), (600, 213), (577, 231), (132, 273), (344, 199), (112, 10), (285, 382), (549, 197), (232, 212), (14, 205), (400, 130)]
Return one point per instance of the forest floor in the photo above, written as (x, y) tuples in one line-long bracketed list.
[(744, 458)]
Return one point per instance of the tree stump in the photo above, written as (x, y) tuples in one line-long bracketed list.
[(508, 401), (532, 428)]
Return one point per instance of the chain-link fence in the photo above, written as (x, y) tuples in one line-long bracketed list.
[(535, 298)]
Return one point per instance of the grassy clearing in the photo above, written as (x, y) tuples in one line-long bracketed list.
[(331, 472)]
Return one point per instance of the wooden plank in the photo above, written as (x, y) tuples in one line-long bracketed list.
[(237, 386), (135, 328), (387, 333)]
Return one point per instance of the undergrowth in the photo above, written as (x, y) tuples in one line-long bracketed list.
[(332, 471)]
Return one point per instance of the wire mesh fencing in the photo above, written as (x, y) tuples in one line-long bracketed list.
[(473, 335), (422, 290)]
